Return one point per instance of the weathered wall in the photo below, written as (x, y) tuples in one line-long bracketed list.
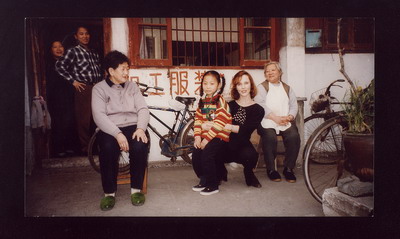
[(292, 54), (119, 35), (322, 69)]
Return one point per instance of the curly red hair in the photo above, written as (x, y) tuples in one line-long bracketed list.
[(236, 80)]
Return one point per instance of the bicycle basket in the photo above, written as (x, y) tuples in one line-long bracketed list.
[(319, 101)]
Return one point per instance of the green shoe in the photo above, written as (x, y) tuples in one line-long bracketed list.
[(137, 199), (107, 203)]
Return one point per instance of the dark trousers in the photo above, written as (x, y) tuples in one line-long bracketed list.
[(63, 137), (244, 154), (61, 108), (109, 155), (83, 116), (291, 141), (204, 162)]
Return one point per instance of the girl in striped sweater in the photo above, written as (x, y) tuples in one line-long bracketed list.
[(214, 111)]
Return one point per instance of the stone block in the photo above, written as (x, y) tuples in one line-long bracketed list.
[(335, 203)]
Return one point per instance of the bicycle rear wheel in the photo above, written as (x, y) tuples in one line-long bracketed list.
[(94, 157), (187, 139), (324, 157)]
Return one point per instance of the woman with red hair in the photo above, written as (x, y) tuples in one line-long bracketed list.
[(246, 117)]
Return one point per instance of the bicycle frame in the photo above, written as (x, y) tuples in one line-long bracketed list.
[(171, 131), (185, 116)]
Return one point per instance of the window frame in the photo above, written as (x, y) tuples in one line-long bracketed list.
[(134, 47), (134, 25), (350, 47), (274, 52)]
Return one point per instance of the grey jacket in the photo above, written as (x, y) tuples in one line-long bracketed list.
[(115, 106)]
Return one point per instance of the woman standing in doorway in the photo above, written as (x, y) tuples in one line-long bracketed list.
[(60, 97)]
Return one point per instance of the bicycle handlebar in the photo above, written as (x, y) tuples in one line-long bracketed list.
[(327, 92), (148, 87), (158, 88)]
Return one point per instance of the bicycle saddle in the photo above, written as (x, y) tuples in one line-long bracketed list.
[(185, 100)]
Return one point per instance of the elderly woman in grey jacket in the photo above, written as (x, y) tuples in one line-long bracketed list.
[(280, 104), (121, 113)]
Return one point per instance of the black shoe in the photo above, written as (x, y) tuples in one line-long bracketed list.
[(251, 179), (61, 155), (198, 187), (69, 152), (274, 175), (289, 175), (208, 191)]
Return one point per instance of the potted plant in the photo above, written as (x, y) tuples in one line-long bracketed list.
[(358, 137)]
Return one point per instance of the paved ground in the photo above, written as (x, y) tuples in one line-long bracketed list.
[(76, 191)]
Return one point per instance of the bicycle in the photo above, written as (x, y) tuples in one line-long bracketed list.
[(177, 142), (324, 159), (321, 103)]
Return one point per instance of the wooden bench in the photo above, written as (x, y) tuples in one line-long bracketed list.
[(125, 178), (256, 139)]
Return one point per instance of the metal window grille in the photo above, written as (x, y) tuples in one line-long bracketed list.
[(205, 41)]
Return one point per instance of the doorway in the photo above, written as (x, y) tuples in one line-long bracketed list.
[(40, 33)]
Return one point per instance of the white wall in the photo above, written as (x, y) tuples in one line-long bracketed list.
[(322, 69), (291, 55), (119, 35)]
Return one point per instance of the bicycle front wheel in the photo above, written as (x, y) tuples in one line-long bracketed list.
[(187, 139), (324, 157), (311, 123), (93, 156)]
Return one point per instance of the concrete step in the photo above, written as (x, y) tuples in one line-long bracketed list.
[(335, 203)]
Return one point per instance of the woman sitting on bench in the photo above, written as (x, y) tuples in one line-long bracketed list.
[(280, 105), (121, 114)]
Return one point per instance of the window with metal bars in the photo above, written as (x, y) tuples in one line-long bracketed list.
[(205, 41), (222, 42)]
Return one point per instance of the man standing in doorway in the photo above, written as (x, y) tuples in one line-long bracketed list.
[(81, 67)]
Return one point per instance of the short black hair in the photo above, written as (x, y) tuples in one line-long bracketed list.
[(81, 26), (113, 59)]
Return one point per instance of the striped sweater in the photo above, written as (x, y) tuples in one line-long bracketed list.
[(218, 112)]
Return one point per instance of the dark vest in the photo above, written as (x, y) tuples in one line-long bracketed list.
[(285, 86)]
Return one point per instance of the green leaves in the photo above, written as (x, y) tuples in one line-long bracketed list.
[(359, 109)]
